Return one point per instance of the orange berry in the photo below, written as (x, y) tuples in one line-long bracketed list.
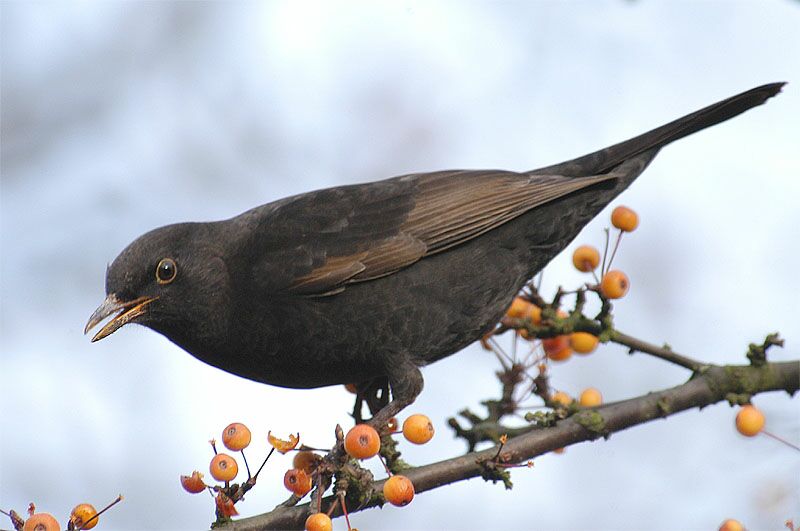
[(393, 424), (223, 467), (624, 219), (534, 315), (225, 505), (557, 348), (306, 460), (615, 284), (362, 441), (193, 483), (418, 429), (83, 516), (560, 397), (583, 342), (297, 481), (41, 522), (731, 525), (749, 421), (319, 522), (518, 308), (398, 490), (236, 437), (590, 397), (586, 258)]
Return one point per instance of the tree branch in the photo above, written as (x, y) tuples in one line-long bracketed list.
[(665, 353), (709, 385)]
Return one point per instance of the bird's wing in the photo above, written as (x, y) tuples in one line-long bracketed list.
[(316, 244)]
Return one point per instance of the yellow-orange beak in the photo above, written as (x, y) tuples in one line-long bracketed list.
[(128, 311)]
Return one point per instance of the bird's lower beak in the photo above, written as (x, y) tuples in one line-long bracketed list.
[(128, 311)]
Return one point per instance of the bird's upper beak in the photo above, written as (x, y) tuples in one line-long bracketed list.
[(128, 311)]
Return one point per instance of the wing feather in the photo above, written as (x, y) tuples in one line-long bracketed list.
[(360, 233)]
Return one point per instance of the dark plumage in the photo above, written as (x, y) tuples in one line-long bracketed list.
[(368, 281)]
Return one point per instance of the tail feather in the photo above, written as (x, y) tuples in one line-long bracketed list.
[(604, 160)]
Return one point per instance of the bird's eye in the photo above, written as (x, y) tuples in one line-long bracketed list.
[(166, 271)]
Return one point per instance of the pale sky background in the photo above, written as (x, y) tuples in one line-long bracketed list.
[(119, 117)]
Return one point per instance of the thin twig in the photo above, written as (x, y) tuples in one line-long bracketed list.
[(614, 252), (605, 252), (781, 439), (664, 353)]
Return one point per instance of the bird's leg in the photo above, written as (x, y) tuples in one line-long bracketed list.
[(405, 380), (375, 393)]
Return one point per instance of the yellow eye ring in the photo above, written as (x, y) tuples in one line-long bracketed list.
[(166, 271)]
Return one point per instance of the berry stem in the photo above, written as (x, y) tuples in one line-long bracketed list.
[(246, 465), (499, 353), (605, 252), (104, 509), (319, 493), (265, 461), (385, 466), (503, 439), (344, 510), (614, 252), (332, 507), (781, 439)]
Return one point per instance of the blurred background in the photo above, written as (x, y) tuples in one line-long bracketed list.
[(118, 117)]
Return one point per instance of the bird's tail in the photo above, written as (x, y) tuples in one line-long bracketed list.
[(605, 160)]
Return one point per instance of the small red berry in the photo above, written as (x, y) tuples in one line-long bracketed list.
[(225, 505), (518, 308), (223, 467), (583, 342), (193, 483), (236, 437), (560, 397), (731, 525), (319, 522), (41, 522), (590, 397), (83, 516), (297, 481), (586, 258), (418, 429), (614, 285), (625, 219), (362, 441), (557, 348), (750, 421), (306, 460), (398, 490)]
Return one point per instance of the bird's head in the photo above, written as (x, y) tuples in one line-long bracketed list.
[(173, 280)]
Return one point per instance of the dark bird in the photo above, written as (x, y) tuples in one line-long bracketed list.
[(371, 281)]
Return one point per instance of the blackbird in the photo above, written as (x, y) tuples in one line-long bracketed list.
[(371, 281)]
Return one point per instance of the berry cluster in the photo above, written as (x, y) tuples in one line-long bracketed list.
[(535, 322), (362, 442), (224, 468), (309, 468), (83, 516)]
